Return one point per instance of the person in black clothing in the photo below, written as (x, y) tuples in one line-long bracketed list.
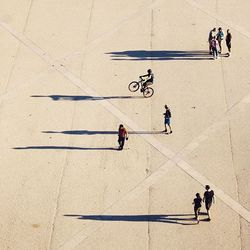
[(228, 41), (149, 78), (208, 199), (197, 206), (167, 116)]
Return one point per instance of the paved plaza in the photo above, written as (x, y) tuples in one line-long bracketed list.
[(65, 67)]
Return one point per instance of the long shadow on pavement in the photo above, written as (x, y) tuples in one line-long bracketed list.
[(61, 148), (96, 132), (183, 219), (85, 97), (136, 55)]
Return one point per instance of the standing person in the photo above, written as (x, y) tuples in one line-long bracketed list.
[(213, 45), (220, 37), (167, 116), (228, 41), (212, 34), (208, 199), (197, 206), (122, 135)]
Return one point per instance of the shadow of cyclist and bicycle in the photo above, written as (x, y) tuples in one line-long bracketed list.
[(84, 97)]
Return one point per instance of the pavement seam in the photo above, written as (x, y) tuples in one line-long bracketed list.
[(236, 27)]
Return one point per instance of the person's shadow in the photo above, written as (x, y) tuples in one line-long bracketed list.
[(182, 219), (63, 148), (161, 55), (99, 132)]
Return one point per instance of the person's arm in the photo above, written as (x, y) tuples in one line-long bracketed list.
[(126, 134), (143, 76)]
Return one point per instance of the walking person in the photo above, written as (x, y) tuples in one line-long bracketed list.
[(213, 45), (197, 206), (208, 199), (228, 41), (122, 135), (220, 37), (167, 116), (211, 34)]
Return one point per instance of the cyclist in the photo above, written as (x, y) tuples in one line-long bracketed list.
[(149, 78)]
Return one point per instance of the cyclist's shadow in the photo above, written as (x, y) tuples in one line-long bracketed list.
[(84, 97)]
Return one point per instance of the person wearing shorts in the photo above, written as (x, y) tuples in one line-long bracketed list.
[(208, 199), (167, 116), (197, 206)]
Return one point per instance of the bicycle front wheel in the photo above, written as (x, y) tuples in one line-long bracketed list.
[(148, 92), (133, 86)]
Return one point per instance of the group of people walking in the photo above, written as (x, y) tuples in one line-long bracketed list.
[(208, 199), (215, 40)]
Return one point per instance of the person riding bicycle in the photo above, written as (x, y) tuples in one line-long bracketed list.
[(149, 79)]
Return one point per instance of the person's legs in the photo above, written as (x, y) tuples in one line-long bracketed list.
[(122, 143), (168, 123), (219, 42), (196, 213), (208, 205), (214, 53), (210, 48), (229, 47), (170, 127)]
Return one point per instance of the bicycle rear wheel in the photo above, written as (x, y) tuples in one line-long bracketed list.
[(133, 86), (148, 92)]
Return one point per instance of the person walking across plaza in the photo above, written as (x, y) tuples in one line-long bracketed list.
[(208, 199), (228, 41), (197, 206), (220, 37), (122, 135), (167, 116)]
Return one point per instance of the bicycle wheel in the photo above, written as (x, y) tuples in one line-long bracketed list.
[(133, 86), (148, 92)]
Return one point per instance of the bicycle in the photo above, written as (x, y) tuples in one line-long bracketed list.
[(147, 91)]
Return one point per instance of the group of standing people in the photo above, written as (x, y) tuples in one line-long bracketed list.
[(215, 39)]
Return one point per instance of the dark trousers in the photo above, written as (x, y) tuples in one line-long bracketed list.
[(215, 52), (121, 141)]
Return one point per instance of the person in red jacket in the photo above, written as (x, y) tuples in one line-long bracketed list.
[(122, 135)]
